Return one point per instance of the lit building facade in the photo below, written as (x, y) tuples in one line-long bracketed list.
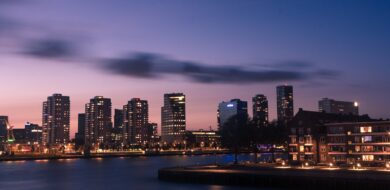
[(33, 133), (56, 120), (358, 142), (227, 110), (285, 103), (260, 110), (338, 107), (136, 119), (173, 118), (307, 134), (203, 139), (98, 122)]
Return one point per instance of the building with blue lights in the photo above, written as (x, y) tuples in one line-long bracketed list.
[(234, 107)]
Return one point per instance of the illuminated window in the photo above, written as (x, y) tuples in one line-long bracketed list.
[(357, 148), (365, 129), (301, 149), (366, 139), (368, 157), (293, 140)]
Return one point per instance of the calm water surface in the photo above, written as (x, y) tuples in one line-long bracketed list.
[(109, 173)]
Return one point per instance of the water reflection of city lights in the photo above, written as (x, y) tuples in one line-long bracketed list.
[(42, 161)]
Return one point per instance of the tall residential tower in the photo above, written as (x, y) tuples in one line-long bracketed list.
[(260, 110), (56, 119), (98, 121), (136, 118), (285, 103)]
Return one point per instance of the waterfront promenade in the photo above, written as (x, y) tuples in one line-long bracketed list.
[(268, 175), (23, 157)]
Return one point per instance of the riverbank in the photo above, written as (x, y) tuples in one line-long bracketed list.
[(280, 177), (32, 157)]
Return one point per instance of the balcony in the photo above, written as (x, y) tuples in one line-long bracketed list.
[(370, 153), (337, 153)]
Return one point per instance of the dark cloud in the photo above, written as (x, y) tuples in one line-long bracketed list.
[(152, 66), (50, 48), (330, 74), (292, 65)]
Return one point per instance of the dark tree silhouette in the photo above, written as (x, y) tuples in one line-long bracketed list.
[(240, 133), (235, 134)]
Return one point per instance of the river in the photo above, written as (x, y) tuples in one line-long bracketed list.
[(136, 173)]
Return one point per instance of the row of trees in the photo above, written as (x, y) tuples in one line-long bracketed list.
[(241, 133)]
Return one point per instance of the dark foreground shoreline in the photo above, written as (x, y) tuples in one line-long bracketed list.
[(107, 155), (285, 178)]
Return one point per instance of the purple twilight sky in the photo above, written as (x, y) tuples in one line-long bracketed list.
[(211, 50)]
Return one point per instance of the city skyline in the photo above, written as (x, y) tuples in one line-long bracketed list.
[(75, 127), (322, 49)]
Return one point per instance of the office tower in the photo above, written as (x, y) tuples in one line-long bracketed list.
[(80, 135), (136, 118), (338, 107), (33, 133), (56, 120), (173, 118), (3, 128), (285, 103), (119, 132), (98, 121), (260, 110), (227, 110)]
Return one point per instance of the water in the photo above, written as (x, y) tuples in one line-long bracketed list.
[(98, 174)]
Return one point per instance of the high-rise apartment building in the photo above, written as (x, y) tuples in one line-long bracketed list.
[(56, 119), (260, 110), (173, 118), (98, 121), (285, 103), (136, 118)]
